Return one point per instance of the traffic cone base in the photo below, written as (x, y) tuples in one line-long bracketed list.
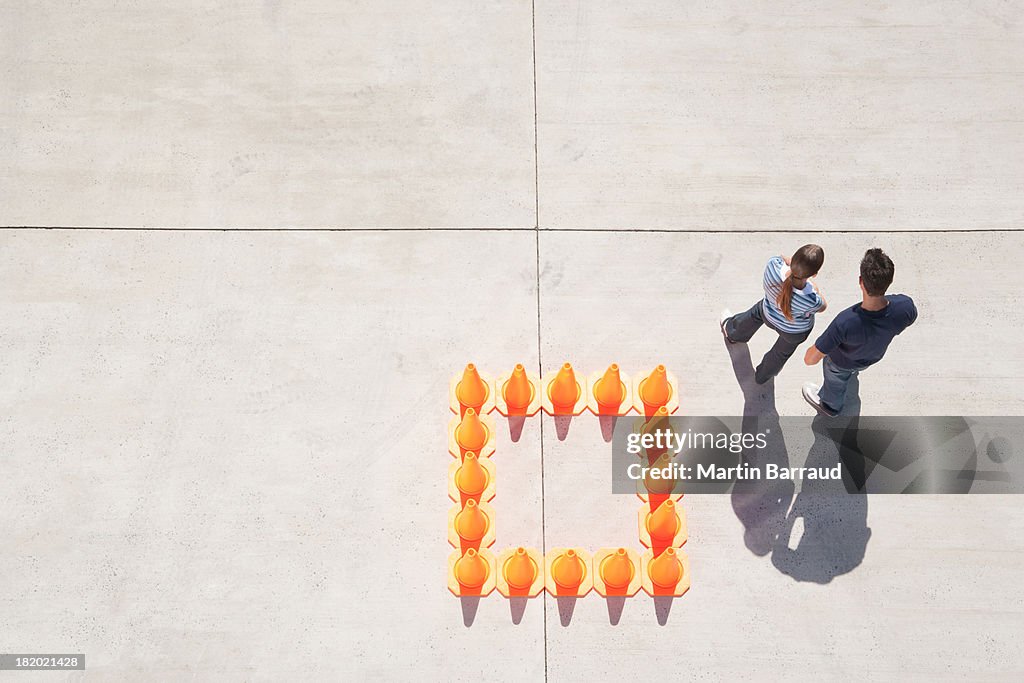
[(489, 583), (599, 584), (535, 587), (458, 496), (464, 544), (654, 499), (531, 409), (640, 389), (624, 407), (658, 545), (655, 590), (551, 408), (585, 585), (456, 449), (486, 388)]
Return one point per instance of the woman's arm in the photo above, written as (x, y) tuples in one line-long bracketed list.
[(824, 302)]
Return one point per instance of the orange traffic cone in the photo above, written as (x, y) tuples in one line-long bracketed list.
[(657, 491), (518, 392), (567, 572), (471, 573), (471, 391), (659, 422), (655, 390), (471, 524), (667, 574), (564, 391), (610, 392), (520, 574), (471, 434), (617, 572), (519, 570), (663, 524), (664, 527), (471, 478), (665, 570)]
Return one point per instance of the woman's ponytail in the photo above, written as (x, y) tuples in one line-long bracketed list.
[(805, 263), (785, 297)]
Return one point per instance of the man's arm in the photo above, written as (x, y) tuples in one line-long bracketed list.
[(825, 344), (813, 356)]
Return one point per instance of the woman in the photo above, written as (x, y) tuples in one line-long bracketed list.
[(789, 304)]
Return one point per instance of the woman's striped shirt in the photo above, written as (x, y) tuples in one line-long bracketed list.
[(805, 302)]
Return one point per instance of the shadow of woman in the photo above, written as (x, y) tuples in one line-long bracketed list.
[(760, 505), (834, 532)]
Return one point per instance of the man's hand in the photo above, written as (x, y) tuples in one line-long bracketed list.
[(813, 356)]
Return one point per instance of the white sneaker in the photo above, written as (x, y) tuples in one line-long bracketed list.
[(810, 391), (722, 320)]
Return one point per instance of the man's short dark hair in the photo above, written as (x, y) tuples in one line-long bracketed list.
[(876, 271)]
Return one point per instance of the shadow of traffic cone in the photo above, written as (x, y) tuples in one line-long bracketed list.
[(667, 574), (617, 572), (471, 434), (521, 573), (471, 526), (471, 573), (471, 391), (471, 479), (656, 390), (663, 528)]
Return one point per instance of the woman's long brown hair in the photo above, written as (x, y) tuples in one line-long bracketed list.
[(806, 262)]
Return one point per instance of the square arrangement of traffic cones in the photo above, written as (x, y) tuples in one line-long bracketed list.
[(473, 570)]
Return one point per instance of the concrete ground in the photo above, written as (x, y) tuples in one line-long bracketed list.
[(223, 450)]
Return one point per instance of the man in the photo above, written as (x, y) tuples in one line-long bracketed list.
[(860, 335)]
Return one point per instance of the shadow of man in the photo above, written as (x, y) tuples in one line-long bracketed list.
[(834, 514), (834, 533)]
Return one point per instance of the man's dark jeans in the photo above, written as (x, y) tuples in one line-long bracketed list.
[(742, 326)]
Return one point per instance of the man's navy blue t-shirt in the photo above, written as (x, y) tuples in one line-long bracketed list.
[(859, 338)]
